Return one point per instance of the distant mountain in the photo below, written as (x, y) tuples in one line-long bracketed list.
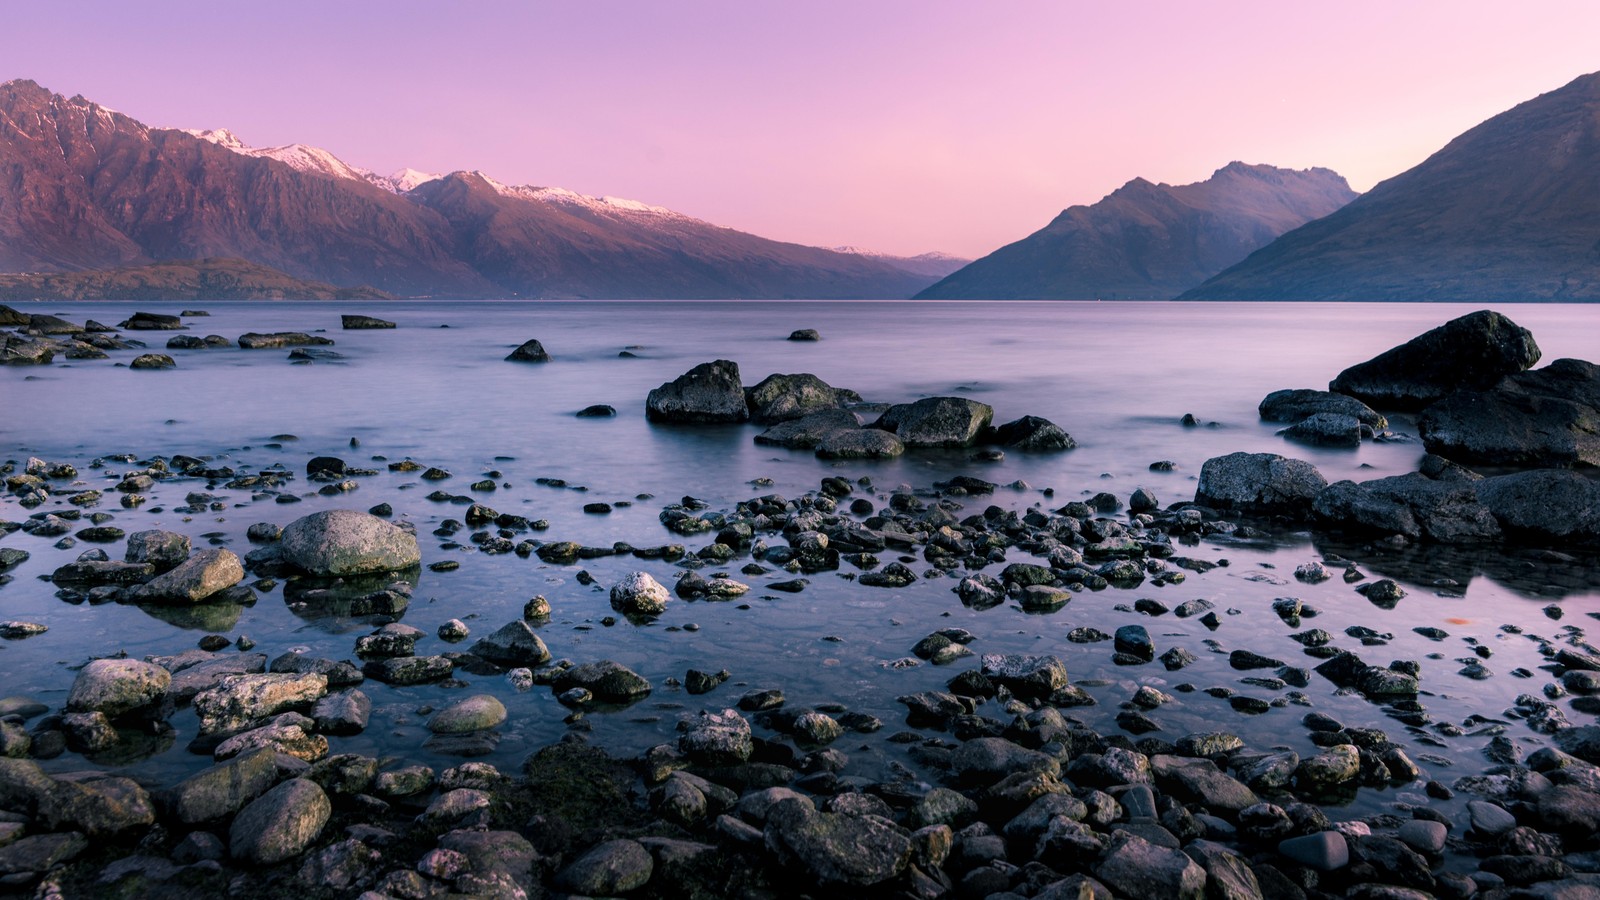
[(1149, 241), (931, 265), (1508, 211), (85, 188), (183, 280)]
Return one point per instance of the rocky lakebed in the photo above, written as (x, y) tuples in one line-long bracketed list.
[(1262, 685)]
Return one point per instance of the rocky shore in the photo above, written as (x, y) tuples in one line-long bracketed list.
[(1012, 777)]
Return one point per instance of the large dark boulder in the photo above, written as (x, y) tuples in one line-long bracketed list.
[(1413, 505), (937, 421), (341, 542), (1546, 418), (781, 398), (257, 341), (143, 321), (1327, 430), (1032, 434), (1544, 505), (709, 393), (1471, 353), (10, 318), (353, 323), (530, 351), (1291, 406), (1259, 484)]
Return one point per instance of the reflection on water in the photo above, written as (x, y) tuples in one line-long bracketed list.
[(1117, 376)]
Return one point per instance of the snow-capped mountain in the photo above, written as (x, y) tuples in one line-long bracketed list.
[(933, 265)]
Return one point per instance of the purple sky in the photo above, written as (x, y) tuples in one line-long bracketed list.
[(900, 126)]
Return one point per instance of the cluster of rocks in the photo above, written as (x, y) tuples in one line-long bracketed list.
[(37, 339), (804, 412), (1478, 400)]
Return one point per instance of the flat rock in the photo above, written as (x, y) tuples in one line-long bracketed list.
[(859, 443), (240, 700), (1290, 406), (1259, 484), (937, 421), (197, 578), (807, 432)]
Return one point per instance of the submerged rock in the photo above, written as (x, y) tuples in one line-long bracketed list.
[(152, 361), (1326, 430), (255, 341), (859, 443), (807, 432), (1033, 434), (198, 578), (709, 393), (1470, 353)]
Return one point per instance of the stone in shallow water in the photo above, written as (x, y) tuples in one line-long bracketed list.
[(475, 713)]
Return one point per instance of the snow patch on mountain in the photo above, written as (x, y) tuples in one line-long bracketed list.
[(300, 157)]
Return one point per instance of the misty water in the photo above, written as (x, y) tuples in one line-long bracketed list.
[(1118, 377)]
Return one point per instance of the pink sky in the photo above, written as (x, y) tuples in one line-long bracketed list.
[(899, 126)]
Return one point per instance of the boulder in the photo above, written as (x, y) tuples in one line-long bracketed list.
[(937, 421), (1290, 406), (339, 542), (197, 578), (717, 739), (162, 549), (1470, 353), (116, 687), (19, 350), (96, 804), (1544, 505), (1546, 418), (11, 318), (709, 393), (609, 682), (807, 432), (835, 849), (1259, 484), (781, 398), (799, 334), (240, 700), (1133, 867), (279, 824), (608, 869), (531, 351), (152, 361), (479, 712), (640, 595), (1326, 430), (1033, 434), (1026, 676), (254, 341), (143, 321), (353, 323), (513, 644), (859, 443), (1418, 507)]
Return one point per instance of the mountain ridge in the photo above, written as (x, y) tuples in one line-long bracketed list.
[(90, 189), (1507, 211), (1148, 240)]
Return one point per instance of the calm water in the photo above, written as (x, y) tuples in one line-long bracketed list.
[(1118, 377)]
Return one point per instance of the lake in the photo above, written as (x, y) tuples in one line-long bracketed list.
[(1117, 376)]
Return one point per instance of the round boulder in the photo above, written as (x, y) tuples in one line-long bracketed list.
[(479, 712), (339, 542), (279, 824), (639, 594), (152, 361), (117, 686)]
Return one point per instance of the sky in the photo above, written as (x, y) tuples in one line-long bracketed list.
[(904, 126)]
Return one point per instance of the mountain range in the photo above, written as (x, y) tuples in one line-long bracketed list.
[(1508, 211), (83, 187), (1148, 241)]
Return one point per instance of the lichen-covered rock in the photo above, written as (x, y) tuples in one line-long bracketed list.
[(859, 443), (608, 869), (717, 739), (216, 793), (339, 542), (709, 393), (476, 713), (1134, 867), (639, 594), (197, 578), (1472, 352), (243, 699)]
